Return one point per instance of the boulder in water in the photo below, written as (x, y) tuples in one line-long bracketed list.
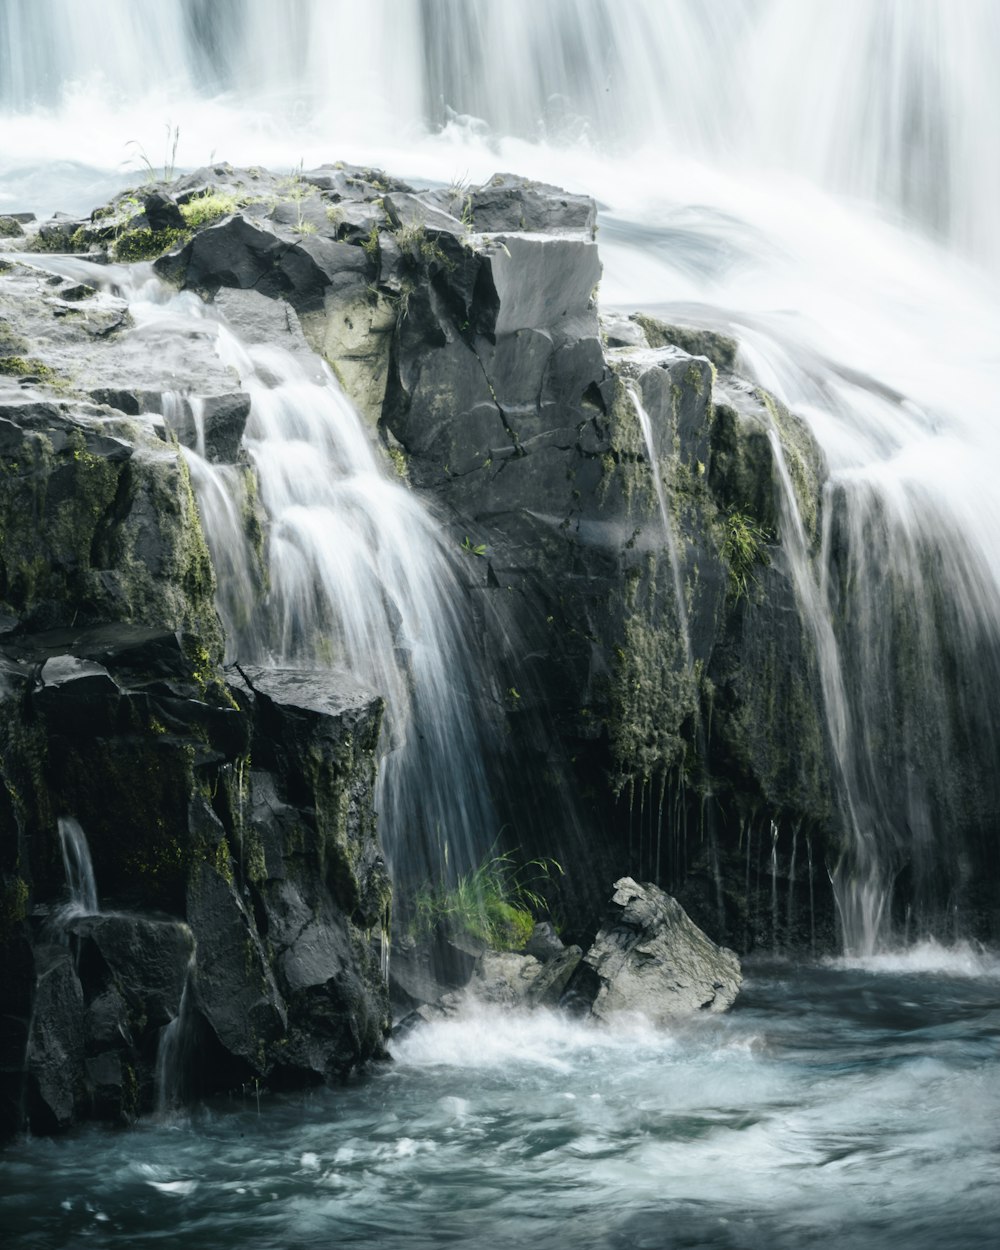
[(651, 959)]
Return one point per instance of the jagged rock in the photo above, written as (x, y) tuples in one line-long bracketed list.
[(212, 425), (146, 960), (504, 977), (544, 943), (548, 987), (422, 972), (509, 202), (236, 990), (650, 959), (55, 1054), (162, 212)]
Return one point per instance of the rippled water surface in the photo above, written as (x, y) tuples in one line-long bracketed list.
[(844, 1105)]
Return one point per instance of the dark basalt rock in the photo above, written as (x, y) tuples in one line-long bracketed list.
[(509, 202), (133, 968), (212, 426), (54, 1061), (162, 212)]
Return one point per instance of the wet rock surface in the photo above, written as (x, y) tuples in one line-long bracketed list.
[(464, 324), (649, 959)]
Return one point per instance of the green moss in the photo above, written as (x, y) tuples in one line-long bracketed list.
[(25, 366), (13, 906), (719, 348), (652, 694), (144, 244), (221, 860), (130, 1093), (399, 462)]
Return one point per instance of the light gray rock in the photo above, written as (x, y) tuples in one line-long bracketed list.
[(651, 959)]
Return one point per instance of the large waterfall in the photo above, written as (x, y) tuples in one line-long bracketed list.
[(816, 179), (812, 176)]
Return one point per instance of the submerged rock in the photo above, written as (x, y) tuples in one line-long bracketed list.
[(651, 959)]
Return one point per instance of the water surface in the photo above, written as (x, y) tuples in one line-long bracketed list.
[(851, 1104)]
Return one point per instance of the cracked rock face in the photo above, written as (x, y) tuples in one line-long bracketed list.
[(650, 959)]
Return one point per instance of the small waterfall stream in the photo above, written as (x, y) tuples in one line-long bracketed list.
[(79, 870), (356, 571), (174, 1053)]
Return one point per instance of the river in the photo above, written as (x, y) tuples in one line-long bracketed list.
[(846, 1103)]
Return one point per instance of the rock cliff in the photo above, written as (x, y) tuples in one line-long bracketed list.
[(614, 492)]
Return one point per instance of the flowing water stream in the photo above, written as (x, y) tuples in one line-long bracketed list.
[(853, 1104), (812, 177)]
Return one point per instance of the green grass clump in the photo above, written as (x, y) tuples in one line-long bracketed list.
[(744, 549), (415, 243), (495, 903), (209, 207)]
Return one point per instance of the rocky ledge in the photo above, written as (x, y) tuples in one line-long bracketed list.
[(618, 497)]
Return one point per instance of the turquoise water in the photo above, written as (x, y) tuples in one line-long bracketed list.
[(848, 1105)]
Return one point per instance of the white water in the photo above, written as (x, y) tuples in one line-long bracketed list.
[(361, 575), (809, 175), (79, 870), (357, 573), (848, 1105)]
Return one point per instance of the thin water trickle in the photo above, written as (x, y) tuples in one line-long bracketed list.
[(79, 869), (175, 1052), (669, 534)]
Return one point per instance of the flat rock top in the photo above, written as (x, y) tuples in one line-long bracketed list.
[(61, 333), (325, 692)]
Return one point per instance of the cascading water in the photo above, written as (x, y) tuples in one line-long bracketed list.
[(356, 572), (79, 869), (722, 146), (359, 574)]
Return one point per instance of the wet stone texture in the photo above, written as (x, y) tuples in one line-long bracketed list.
[(655, 690)]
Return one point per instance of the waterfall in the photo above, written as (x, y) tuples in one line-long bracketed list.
[(357, 573), (79, 870), (810, 174), (174, 1051), (888, 100), (360, 574)]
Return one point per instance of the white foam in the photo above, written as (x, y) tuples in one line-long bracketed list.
[(930, 958)]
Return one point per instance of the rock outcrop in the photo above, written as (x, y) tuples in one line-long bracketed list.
[(613, 491), (649, 959), (229, 814)]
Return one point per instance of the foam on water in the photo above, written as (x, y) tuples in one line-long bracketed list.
[(929, 958)]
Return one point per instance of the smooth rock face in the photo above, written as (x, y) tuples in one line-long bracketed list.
[(650, 959)]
